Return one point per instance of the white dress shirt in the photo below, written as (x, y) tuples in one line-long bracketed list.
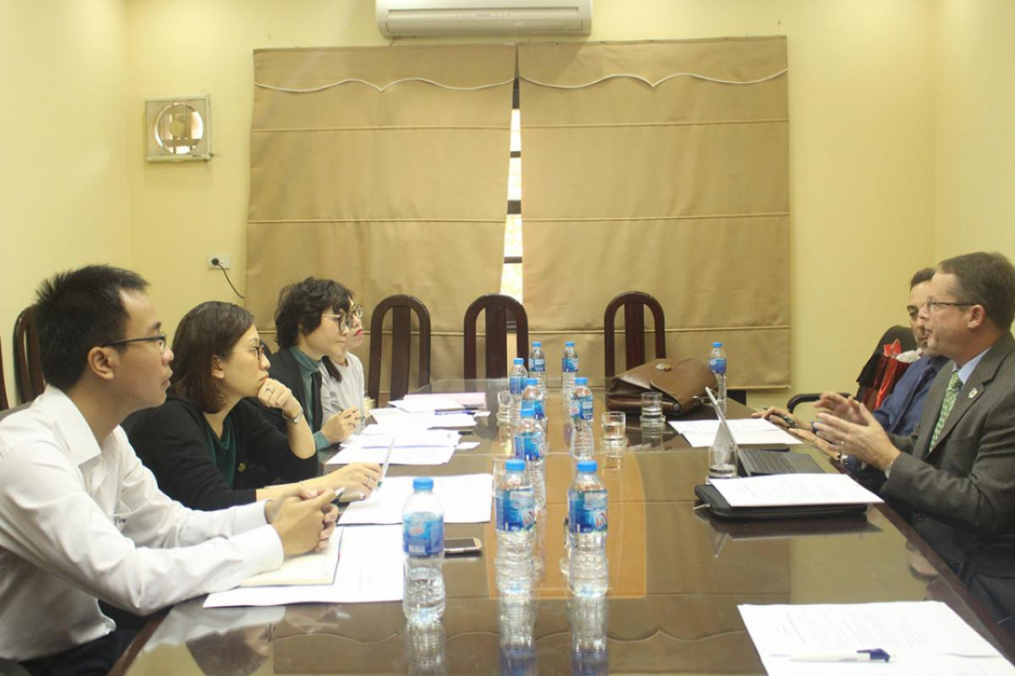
[(80, 521)]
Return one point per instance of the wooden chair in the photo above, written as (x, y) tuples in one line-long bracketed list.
[(27, 360), (634, 304), (401, 307), (497, 307)]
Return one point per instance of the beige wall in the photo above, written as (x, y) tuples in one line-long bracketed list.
[(63, 172), (897, 144)]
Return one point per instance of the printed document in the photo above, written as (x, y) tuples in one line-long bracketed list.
[(307, 569), (466, 399), (419, 455), (700, 433), (466, 498), (785, 490)]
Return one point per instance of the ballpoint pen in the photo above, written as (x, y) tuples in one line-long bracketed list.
[(387, 460), (869, 655)]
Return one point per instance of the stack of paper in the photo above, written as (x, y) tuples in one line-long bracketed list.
[(310, 569), (701, 433), (466, 498), (393, 419), (787, 490), (370, 569), (922, 638), (413, 447), (470, 400)]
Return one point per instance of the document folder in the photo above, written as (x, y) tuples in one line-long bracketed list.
[(717, 504)]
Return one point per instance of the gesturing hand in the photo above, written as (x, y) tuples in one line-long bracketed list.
[(867, 441)]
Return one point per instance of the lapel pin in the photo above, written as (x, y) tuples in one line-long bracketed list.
[(973, 392)]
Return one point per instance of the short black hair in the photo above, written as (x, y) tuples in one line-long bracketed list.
[(76, 311), (987, 279), (300, 306), (209, 330), (921, 276)]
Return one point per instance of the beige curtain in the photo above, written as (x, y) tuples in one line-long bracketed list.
[(386, 169), (678, 189)]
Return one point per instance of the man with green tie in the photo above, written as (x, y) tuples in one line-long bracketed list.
[(955, 474)]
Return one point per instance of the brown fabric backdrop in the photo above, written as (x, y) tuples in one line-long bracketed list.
[(400, 191), (680, 191)]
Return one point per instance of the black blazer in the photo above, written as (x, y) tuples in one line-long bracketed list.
[(286, 370)]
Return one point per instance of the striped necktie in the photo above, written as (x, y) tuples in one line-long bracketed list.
[(954, 385)]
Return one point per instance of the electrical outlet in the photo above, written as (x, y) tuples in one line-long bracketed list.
[(215, 261)]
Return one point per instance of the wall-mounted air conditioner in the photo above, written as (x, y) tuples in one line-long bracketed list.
[(405, 18)]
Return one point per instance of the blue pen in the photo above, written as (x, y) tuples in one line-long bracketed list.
[(869, 655)]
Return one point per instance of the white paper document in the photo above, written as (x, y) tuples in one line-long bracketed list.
[(314, 568), (466, 498), (466, 399), (411, 455), (392, 420), (922, 638), (700, 433), (369, 570), (428, 404), (400, 439), (785, 490)]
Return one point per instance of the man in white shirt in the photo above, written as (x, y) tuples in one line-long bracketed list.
[(81, 519)]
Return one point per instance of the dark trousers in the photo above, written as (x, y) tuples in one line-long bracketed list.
[(94, 658)]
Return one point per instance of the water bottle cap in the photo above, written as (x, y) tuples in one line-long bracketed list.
[(528, 413), (422, 483), (717, 344), (536, 343), (581, 381), (531, 381), (569, 343), (587, 466), (515, 465), (519, 360)]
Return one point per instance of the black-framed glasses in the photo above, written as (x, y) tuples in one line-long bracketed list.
[(934, 305), (159, 338), (345, 320)]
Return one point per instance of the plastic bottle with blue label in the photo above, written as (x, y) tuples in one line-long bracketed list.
[(530, 446), (568, 372), (516, 384), (423, 598), (588, 571), (717, 364), (537, 364), (515, 504), (534, 398), (583, 442)]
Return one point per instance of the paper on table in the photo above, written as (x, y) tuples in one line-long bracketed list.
[(466, 399), (700, 433), (406, 455), (402, 439), (784, 490), (369, 570), (429, 404), (467, 446), (466, 498), (400, 421), (922, 637), (315, 568)]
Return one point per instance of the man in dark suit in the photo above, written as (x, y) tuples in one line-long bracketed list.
[(956, 473)]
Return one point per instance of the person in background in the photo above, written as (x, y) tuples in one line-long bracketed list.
[(342, 382), (311, 321), (209, 445), (82, 520)]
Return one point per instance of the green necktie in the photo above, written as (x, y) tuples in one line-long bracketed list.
[(954, 385)]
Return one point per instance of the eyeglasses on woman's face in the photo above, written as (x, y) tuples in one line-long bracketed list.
[(346, 320)]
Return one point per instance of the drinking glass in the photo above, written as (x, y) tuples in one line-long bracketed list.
[(504, 407), (652, 410)]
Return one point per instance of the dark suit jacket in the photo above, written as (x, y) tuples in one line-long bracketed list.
[(962, 491), (285, 369)]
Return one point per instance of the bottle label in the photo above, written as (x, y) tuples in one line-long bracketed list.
[(516, 385), (538, 365), (717, 365), (516, 509), (422, 535), (527, 446), (586, 404), (537, 406), (569, 364), (586, 511)]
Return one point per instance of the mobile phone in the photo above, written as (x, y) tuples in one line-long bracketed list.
[(462, 546)]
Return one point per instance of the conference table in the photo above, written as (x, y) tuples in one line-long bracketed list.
[(676, 576)]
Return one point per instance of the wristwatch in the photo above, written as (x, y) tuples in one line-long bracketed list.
[(888, 470), (295, 420)]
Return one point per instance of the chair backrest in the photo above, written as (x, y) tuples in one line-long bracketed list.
[(401, 307), (497, 306), (4, 403), (634, 304), (27, 359)]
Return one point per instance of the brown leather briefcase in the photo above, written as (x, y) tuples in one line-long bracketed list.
[(682, 384)]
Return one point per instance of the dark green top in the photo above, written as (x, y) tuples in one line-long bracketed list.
[(223, 451)]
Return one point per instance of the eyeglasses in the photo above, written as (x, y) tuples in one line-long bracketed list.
[(159, 338), (346, 320), (935, 305), (258, 351)]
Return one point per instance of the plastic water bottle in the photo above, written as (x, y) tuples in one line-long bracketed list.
[(717, 365), (568, 371), (530, 446), (589, 652), (517, 620), (423, 599), (516, 519), (534, 398), (583, 442), (589, 573), (516, 384), (537, 364)]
